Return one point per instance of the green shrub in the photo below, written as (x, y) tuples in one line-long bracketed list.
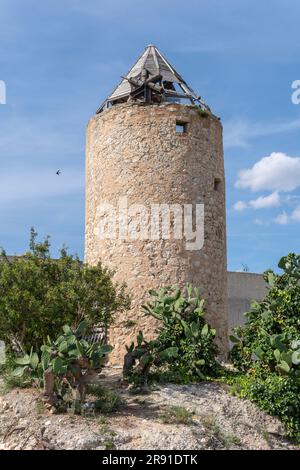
[(277, 395), (107, 400), (267, 348), (184, 348), (270, 339), (176, 415), (64, 366), (38, 295), (8, 380)]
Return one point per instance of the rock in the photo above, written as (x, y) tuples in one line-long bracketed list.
[(23, 422), (3, 404), (88, 442), (275, 427)]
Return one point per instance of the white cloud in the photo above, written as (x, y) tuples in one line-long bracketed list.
[(296, 214), (262, 202), (239, 133), (282, 219), (276, 172), (265, 202), (240, 206)]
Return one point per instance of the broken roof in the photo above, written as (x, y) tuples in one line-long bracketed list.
[(152, 79)]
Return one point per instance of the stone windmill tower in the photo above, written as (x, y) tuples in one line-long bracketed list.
[(154, 174)]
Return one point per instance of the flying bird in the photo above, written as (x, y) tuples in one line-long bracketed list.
[(58, 172)]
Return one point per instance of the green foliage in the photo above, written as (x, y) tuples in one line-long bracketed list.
[(209, 421), (202, 112), (109, 444), (230, 440), (38, 295), (270, 339), (177, 415), (128, 324), (267, 347), (184, 348), (29, 369), (107, 400), (67, 361), (277, 395), (9, 380)]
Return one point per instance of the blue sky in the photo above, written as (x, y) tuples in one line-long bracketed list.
[(60, 60)]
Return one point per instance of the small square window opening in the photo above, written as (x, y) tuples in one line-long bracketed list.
[(180, 127)]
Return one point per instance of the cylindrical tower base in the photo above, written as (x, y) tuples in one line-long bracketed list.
[(150, 155)]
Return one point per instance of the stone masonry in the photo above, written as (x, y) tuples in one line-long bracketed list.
[(133, 151)]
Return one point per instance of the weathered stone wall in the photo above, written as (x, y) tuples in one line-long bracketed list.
[(134, 151)]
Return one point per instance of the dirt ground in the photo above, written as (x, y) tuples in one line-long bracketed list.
[(199, 416)]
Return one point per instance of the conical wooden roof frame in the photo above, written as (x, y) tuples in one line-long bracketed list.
[(159, 69)]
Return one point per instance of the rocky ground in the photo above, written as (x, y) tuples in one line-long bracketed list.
[(202, 416)]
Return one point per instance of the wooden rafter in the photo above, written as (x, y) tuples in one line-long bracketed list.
[(152, 79)]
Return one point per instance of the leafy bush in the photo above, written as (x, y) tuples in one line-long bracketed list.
[(267, 347), (177, 415), (38, 295), (270, 339), (8, 380), (107, 400), (184, 348), (64, 366), (277, 395)]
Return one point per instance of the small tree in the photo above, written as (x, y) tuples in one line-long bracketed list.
[(39, 294)]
